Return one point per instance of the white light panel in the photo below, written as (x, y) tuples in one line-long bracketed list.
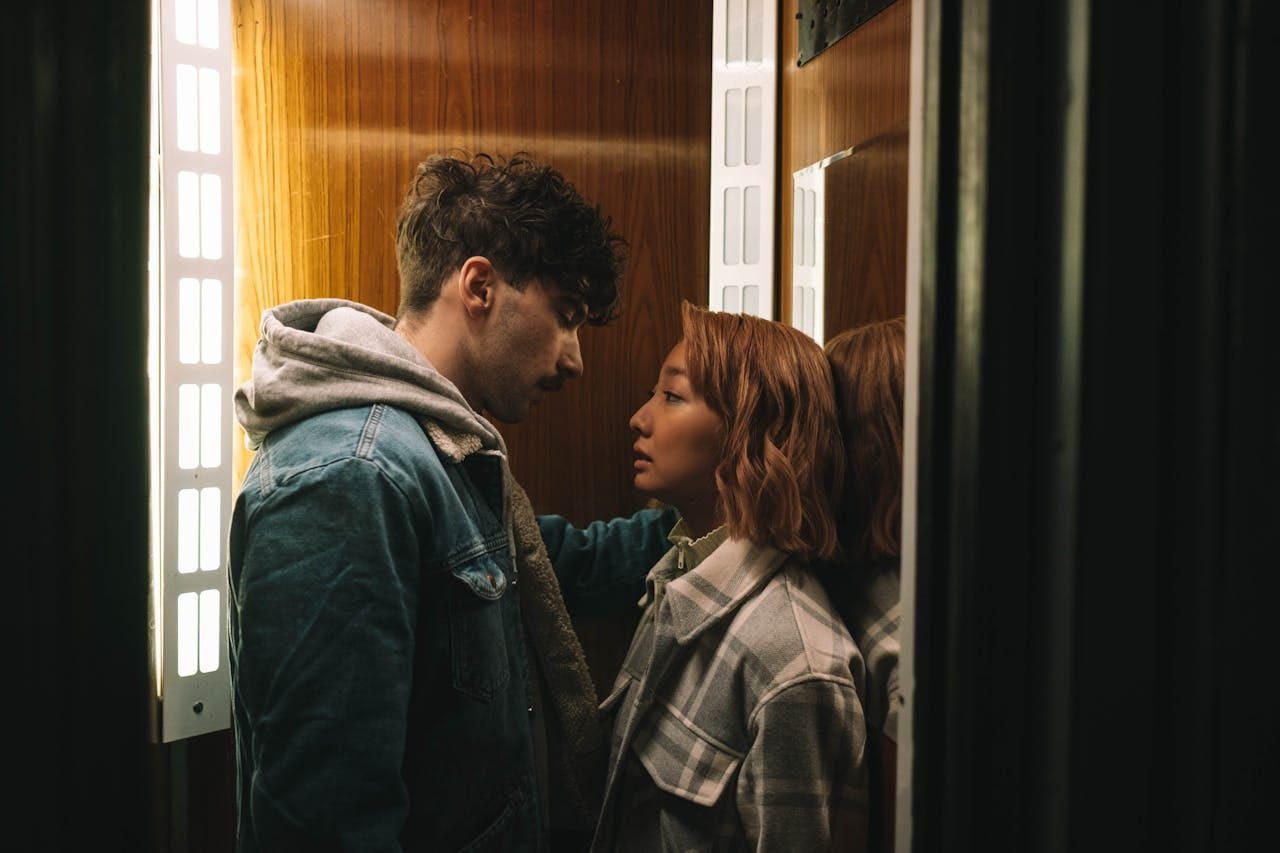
[(744, 90), (192, 322)]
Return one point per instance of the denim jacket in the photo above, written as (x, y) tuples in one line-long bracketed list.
[(401, 655)]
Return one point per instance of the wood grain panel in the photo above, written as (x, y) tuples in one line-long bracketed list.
[(337, 101), (854, 93), (866, 234)]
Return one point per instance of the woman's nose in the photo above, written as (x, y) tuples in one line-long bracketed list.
[(638, 420)]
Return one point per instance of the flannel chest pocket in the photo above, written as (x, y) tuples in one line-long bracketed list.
[(683, 760)]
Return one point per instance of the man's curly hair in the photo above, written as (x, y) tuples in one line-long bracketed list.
[(523, 216)]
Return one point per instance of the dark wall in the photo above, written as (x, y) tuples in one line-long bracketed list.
[(1099, 438), (75, 408)]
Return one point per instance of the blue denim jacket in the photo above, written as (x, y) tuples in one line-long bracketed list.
[(382, 684)]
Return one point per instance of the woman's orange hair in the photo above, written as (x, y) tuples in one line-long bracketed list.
[(783, 464), (867, 363)]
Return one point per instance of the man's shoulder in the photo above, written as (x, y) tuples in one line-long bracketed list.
[(385, 436), (348, 426)]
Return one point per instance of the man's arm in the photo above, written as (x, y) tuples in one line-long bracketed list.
[(325, 596), (601, 567)]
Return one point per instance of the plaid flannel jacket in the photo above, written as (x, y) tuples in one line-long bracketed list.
[(737, 716), (874, 613)]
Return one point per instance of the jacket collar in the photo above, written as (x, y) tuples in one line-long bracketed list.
[(718, 585)]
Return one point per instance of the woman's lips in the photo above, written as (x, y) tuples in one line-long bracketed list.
[(642, 459)]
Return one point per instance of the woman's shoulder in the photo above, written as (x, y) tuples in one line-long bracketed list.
[(791, 626)]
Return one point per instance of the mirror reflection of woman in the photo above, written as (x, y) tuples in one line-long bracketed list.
[(868, 363), (737, 715)]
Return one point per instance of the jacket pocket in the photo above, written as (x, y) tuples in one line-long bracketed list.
[(477, 634), (610, 709), (684, 761), (498, 835), (621, 684)]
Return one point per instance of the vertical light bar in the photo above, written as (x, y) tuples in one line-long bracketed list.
[(744, 94), (210, 529), (807, 294), (210, 116), (184, 18), (752, 217), (188, 422), (732, 226), (188, 205), (210, 630), (735, 125), (188, 633), (188, 320), (209, 16), (191, 281), (211, 425), (188, 103), (753, 131), (210, 216), (188, 531), (211, 321)]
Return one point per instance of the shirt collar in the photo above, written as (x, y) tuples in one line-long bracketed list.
[(686, 553), (689, 551), (701, 597)]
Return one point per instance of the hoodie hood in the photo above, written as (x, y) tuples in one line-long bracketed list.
[(316, 355)]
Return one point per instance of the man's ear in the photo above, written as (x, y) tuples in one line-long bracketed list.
[(477, 281)]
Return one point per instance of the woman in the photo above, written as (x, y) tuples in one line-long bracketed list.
[(867, 363), (737, 716)]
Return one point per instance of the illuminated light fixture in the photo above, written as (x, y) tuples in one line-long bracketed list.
[(189, 360), (744, 97)]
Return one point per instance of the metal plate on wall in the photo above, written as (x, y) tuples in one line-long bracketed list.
[(824, 22)]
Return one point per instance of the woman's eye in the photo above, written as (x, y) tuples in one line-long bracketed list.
[(672, 398)]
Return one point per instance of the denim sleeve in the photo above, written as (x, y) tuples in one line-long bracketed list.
[(324, 595), (601, 567)]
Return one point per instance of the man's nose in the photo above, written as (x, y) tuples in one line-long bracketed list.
[(570, 363)]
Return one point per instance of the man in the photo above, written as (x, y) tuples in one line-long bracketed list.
[(405, 675)]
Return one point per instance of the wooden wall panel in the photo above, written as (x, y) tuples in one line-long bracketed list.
[(338, 100), (854, 94), (865, 234)]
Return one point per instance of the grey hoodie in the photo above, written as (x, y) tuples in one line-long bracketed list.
[(315, 355)]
